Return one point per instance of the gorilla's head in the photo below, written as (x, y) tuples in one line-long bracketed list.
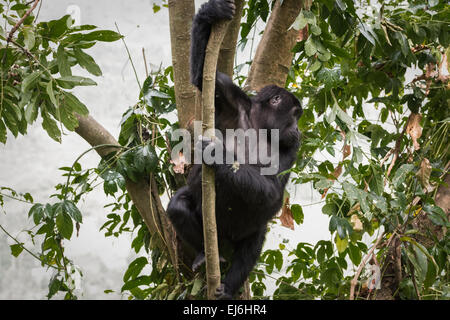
[(277, 108)]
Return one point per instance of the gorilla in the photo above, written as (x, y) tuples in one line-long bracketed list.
[(246, 200)]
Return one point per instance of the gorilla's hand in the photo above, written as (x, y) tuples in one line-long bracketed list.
[(224, 9)]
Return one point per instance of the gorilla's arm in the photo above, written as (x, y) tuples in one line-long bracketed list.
[(208, 14)]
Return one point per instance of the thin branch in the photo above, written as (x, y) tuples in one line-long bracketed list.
[(354, 281), (20, 22), (208, 174), (129, 58), (24, 248), (396, 151)]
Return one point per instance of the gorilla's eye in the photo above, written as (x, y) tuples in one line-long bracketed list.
[(275, 100)]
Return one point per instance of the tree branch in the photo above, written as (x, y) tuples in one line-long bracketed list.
[(354, 281), (145, 201), (180, 19), (273, 56), (208, 178), (19, 23)]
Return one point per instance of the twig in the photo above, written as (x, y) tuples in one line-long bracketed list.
[(24, 248), (354, 281), (413, 278), (396, 151), (28, 53), (129, 58), (145, 62)]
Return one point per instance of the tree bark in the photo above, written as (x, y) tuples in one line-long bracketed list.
[(208, 182), (273, 56), (181, 13)]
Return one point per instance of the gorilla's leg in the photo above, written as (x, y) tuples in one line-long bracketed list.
[(246, 253), (186, 222)]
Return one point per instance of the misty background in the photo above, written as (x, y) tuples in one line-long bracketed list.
[(30, 163)]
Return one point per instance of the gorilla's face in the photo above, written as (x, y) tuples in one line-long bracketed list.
[(277, 108)]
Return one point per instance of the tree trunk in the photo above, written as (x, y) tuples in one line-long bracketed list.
[(225, 63), (273, 56), (181, 13)]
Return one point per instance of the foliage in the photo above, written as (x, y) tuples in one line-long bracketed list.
[(36, 71), (353, 70), (372, 77)]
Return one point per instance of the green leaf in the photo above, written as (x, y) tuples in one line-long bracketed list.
[(419, 261), (63, 62), (341, 5), (300, 22), (139, 281), (64, 224), (341, 244), (376, 183), (73, 81), (333, 223), (310, 47), (436, 215), (87, 62), (112, 179), (29, 38), (330, 209), (368, 33), (145, 159), (321, 255), (16, 249), (31, 111), (38, 213), (343, 116), (431, 275), (354, 253), (135, 268), (150, 93), (198, 283), (19, 6), (2, 132), (315, 66), (53, 286), (102, 35), (337, 23), (401, 173), (297, 213), (67, 117), (70, 208), (329, 77), (58, 27), (30, 81), (74, 104), (51, 94), (10, 117)]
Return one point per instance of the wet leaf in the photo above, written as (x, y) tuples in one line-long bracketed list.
[(414, 129), (286, 217), (424, 173)]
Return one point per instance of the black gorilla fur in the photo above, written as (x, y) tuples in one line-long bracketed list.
[(245, 199)]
